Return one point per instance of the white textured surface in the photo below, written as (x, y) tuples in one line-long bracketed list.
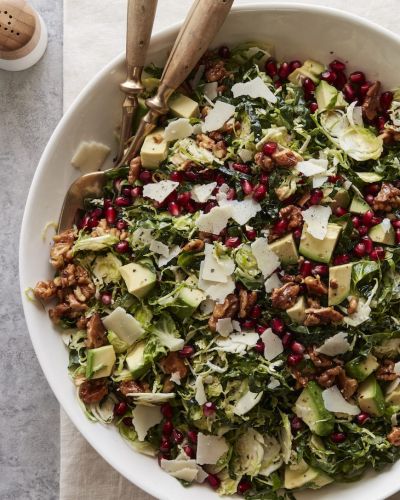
[(93, 34)]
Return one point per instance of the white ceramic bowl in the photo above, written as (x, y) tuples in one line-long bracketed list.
[(298, 32)]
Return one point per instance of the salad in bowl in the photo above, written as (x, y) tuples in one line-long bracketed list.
[(231, 302)]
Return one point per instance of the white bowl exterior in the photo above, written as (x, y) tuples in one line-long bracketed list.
[(297, 32)]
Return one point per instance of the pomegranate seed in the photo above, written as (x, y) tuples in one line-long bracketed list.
[(338, 437), (277, 325), (120, 409), (297, 234), (364, 88), (297, 348), (166, 410), (224, 52), (340, 211), (209, 409), (241, 167), (386, 100), (313, 106), (96, 213), (111, 215), (174, 209), (362, 417), (376, 220), (271, 68), (167, 428), (355, 221), (246, 186), (341, 259), (220, 179), (336, 65), (397, 236), (280, 227), (294, 65), (380, 122), (165, 445), (350, 92), (259, 347), (316, 197), (269, 148), (320, 270), (377, 254), (296, 424), (107, 203), (176, 176), (121, 224), (145, 176), (191, 176), (373, 188), (177, 436), (187, 351), (308, 85), (369, 199), (243, 486), (85, 222), (340, 80), (231, 194), (357, 77), (247, 324), (192, 436), (328, 76), (233, 242), (163, 456), (287, 340), (260, 329), (213, 481), (136, 191), (126, 191), (183, 198), (368, 217), (294, 359), (121, 247), (251, 234), (278, 84), (259, 192), (256, 312), (106, 298), (209, 206), (284, 71), (263, 179), (305, 268), (127, 421), (396, 223), (122, 201), (362, 230), (359, 250), (368, 244)]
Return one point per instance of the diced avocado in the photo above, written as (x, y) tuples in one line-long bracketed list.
[(339, 283), (297, 312), (360, 369), (100, 362), (136, 361), (370, 397), (310, 69), (302, 475), (388, 349), (154, 149), (369, 177), (187, 300), (359, 206), (118, 344), (319, 250), (382, 233), (311, 409), (328, 97), (182, 106), (393, 395), (340, 199), (285, 248), (139, 279)]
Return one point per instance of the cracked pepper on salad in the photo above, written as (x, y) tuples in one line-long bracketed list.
[(232, 303)]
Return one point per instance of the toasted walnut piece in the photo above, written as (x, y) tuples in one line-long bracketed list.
[(216, 135), (220, 149), (216, 71), (196, 245), (173, 363), (315, 286), (328, 377), (313, 302), (60, 252), (353, 304), (246, 301), (75, 305), (385, 371), (347, 385), (394, 436), (67, 276), (387, 199), (322, 316), (81, 323), (301, 379), (58, 312), (292, 215), (168, 385), (227, 309), (45, 290), (134, 169), (304, 199), (264, 161), (286, 158), (204, 141), (285, 296), (96, 333), (207, 237), (389, 136), (319, 360), (286, 278), (93, 391), (131, 387), (370, 105)]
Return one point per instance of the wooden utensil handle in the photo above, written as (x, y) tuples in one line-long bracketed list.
[(140, 23)]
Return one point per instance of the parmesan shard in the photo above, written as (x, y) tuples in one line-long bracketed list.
[(210, 90), (255, 88), (90, 156), (210, 449), (215, 221), (243, 211), (172, 253), (247, 402), (178, 129), (267, 260), (219, 291), (202, 192), (317, 218), (237, 342), (273, 346), (144, 418), (218, 116), (158, 191), (214, 270), (180, 468), (272, 282), (200, 394), (338, 344), (335, 402), (312, 167), (124, 325), (224, 326), (158, 247)]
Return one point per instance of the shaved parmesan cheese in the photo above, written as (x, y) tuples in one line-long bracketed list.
[(210, 449), (319, 180), (254, 88), (247, 402), (272, 344), (151, 398), (335, 402), (245, 154), (207, 306), (396, 368), (215, 221), (274, 383), (200, 394), (272, 282), (90, 156), (178, 129), (187, 470), (210, 90), (216, 291), (172, 253), (316, 218), (175, 378), (160, 248), (386, 224), (158, 191), (267, 260), (124, 325), (243, 211), (354, 114), (220, 114), (213, 269), (202, 192), (237, 342), (224, 326), (335, 345), (360, 316), (236, 326), (144, 418), (168, 340), (312, 167), (142, 235)]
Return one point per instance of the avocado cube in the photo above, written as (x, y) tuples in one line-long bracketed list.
[(311, 409), (370, 397), (360, 369), (382, 233), (393, 395), (302, 475), (182, 106), (139, 279), (100, 362), (328, 97), (187, 300), (285, 248), (339, 283), (136, 361), (310, 69), (319, 250), (297, 313), (154, 149), (358, 206), (340, 199)]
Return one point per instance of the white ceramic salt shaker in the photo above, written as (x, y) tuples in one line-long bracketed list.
[(23, 35)]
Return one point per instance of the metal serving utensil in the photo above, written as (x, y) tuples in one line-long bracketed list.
[(201, 25)]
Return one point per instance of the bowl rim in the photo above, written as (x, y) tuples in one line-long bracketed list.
[(158, 36)]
